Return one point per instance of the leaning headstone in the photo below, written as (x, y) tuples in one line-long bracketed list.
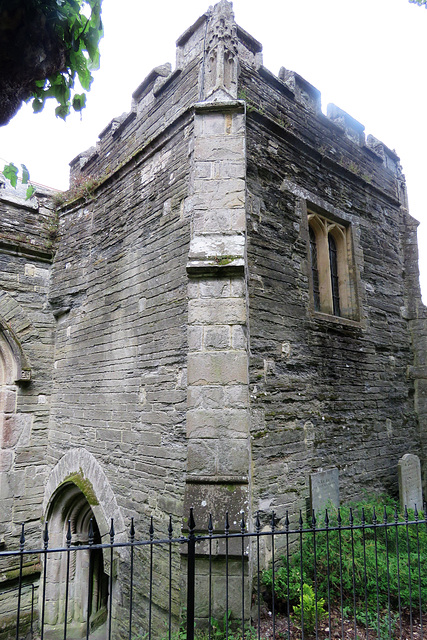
[(410, 488), (324, 490)]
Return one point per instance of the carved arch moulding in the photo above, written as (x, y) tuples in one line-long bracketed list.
[(81, 468)]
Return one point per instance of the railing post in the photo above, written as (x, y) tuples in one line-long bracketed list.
[(21, 562), (191, 573)]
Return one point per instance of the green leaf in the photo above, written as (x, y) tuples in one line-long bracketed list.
[(25, 174), (79, 101), (30, 192), (37, 105), (62, 111), (11, 173)]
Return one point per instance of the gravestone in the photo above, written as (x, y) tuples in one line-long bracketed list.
[(324, 490), (410, 488)]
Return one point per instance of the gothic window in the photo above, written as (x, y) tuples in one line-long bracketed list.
[(332, 271)]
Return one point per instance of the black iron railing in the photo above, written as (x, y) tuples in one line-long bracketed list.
[(338, 577)]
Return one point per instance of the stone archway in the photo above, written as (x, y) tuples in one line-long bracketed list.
[(85, 593), (77, 491)]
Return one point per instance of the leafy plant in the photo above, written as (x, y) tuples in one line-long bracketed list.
[(372, 567), (375, 564), (311, 611), (10, 172), (79, 36), (287, 583)]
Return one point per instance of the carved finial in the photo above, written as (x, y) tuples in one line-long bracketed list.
[(221, 61)]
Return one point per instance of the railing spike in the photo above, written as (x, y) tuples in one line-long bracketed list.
[(151, 529), (339, 519), (273, 521), (210, 525), (374, 516), (326, 518), (112, 532), (227, 523), (350, 517), (416, 512), (406, 514), (385, 515), (132, 530), (287, 521), (170, 527), (22, 538), (242, 522), (91, 532), (362, 517)]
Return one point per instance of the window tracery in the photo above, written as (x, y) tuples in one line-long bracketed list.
[(332, 270)]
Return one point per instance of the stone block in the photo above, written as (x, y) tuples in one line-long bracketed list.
[(221, 311), (205, 397), (236, 396), (218, 149), (219, 194), (200, 458), (213, 124), (238, 340), (214, 288), (216, 498), (209, 457), (230, 367), (195, 337), (10, 431), (8, 401), (217, 423), (217, 337)]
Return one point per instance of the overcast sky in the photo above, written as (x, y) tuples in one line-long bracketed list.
[(368, 57)]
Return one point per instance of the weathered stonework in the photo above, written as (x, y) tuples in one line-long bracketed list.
[(167, 349)]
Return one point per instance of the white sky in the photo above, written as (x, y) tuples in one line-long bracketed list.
[(368, 57)]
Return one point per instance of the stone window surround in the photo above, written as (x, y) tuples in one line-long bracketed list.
[(322, 223)]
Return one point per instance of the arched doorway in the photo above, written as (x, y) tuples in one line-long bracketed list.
[(76, 582)]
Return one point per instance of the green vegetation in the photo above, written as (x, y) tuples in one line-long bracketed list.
[(378, 568), (310, 612), (45, 46)]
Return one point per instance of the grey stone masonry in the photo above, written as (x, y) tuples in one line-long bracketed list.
[(28, 231), (217, 396)]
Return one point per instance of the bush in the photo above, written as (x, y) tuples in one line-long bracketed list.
[(373, 565)]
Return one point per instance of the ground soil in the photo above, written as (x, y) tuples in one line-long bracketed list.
[(335, 628)]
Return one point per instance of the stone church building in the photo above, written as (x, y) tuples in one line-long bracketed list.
[(224, 303)]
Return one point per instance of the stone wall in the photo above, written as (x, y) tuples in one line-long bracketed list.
[(27, 236), (325, 391), (119, 293)]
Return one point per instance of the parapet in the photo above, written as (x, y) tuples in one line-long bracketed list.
[(209, 58), (304, 92), (351, 127)]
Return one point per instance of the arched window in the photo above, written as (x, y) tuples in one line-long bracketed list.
[(332, 272)]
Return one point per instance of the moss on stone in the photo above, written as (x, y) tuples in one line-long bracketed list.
[(84, 485)]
